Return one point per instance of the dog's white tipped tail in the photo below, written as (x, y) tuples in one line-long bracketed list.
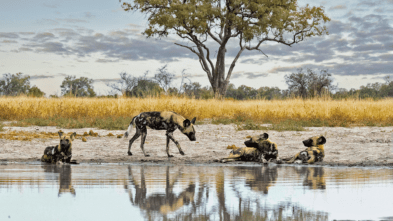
[(129, 129)]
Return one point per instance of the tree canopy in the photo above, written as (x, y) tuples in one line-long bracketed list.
[(78, 87), (252, 22), (14, 84)]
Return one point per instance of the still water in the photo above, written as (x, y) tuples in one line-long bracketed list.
[(167, 192)]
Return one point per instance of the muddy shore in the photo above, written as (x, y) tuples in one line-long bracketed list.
[(354, 146)]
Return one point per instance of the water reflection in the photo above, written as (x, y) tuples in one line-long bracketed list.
[(313, 177), (180, 192), (218, 187), (65, 177), (158, 202)]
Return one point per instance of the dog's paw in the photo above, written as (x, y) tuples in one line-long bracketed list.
[(181, 152), (170, 155), (263, 161), (129, 153), (147, 155)]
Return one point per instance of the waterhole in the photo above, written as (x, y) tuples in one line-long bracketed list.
[(198, 192)]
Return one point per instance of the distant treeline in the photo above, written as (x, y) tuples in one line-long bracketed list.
[(303, 83)]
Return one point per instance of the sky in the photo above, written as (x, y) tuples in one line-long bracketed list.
[(49, 40)]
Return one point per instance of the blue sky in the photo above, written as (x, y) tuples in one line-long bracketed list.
[(49, 40)]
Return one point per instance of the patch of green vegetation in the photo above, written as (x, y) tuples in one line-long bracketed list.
[(110, 123), (1, 126)]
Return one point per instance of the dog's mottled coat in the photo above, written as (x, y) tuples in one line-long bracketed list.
[(258, 148), (61, 152), (315, 151), (165, 120)]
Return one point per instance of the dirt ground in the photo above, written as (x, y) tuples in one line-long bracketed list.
[(355, 146)]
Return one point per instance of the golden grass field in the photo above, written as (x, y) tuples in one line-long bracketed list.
[(317, 112)]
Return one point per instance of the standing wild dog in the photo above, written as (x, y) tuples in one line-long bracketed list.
[(62, 151), (258, 148), (315, 151), (166, 120)]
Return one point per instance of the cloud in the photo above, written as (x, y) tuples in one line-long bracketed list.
[(38, 77), (26, 33), (72, 20), (251, 75), (44, 36), (338, 7), (8, 35), (89, 15), (49, 47), (21, 49), (106, 61), (9, 41), (368, 3), (107, 81)]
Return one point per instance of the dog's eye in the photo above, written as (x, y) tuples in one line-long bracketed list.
[(67, 140)]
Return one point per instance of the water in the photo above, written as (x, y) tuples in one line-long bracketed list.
[(162, 192)]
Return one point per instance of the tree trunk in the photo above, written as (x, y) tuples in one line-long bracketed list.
[(219, 83)]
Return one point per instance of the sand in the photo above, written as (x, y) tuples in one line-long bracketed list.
[(355, 146)]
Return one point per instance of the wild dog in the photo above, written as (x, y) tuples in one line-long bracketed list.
[(166, 120), (61, 152), (258, 148), (314, 152)]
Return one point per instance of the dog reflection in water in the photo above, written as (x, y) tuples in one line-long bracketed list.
[(314, 177), (65, 178), (157, 202)]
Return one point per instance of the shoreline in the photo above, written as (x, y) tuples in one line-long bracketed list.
[(350, 147), (199, 163)]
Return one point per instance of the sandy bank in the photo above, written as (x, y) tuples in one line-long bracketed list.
[(356, 146)]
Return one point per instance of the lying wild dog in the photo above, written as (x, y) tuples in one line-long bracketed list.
[(258, 148), (61, 152), (166, 120), (315, 151)]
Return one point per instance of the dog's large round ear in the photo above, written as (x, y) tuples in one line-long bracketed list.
[(73, 136), (193, 120), (321, 140), (60, 134), (264, 136), (186, 123)]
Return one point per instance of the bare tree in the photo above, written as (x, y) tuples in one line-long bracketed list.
[(164, 78), (126, 83), (297, 83), (310, 83)]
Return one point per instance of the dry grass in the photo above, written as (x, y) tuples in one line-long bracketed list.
[(28, 135), (104, 113)]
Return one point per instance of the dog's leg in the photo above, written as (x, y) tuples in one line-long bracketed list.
[(293, 159), (170, 135), (136, 136), (144, 133), (224, 160), (312, 159), (167, 146), (262, 159)]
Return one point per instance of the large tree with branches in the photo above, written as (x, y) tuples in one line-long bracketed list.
[(252, 22)]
